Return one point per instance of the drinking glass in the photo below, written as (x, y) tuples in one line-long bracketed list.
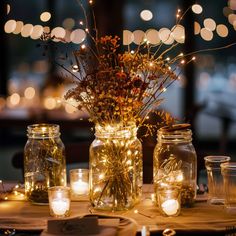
[(215, 179)]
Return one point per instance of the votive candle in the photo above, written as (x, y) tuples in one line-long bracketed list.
[(59, 201), (79, 182), (169, 201)]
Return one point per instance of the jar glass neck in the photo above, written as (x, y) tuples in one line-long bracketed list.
[(116, 131), (43, 131), (177, 136)]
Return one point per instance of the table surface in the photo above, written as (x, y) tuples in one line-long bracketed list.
[(201, 218)]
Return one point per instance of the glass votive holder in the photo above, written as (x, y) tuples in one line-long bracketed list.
[(59, 201), (79, 183), (169, 201), (216, 193), (228, 171)]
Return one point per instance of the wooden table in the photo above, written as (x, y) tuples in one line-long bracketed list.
[(202, 219)]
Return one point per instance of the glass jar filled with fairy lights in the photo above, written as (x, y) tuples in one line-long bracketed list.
[(115, 168), (175, 162), (44, 161)]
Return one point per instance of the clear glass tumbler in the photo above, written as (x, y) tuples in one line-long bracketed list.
[(169, 201), (215, 180), (59, 201), (228, 171), (79, 183)]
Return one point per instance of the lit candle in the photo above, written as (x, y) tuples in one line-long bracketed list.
[(170, 207), (79, 187), (60, 206), (79, 179), (59, 201)]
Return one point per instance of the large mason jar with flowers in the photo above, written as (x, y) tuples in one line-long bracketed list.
[(118, 90)]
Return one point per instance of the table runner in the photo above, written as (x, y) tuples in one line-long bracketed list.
[(23, 215)]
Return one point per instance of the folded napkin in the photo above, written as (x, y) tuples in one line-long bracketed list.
[(92, 225)]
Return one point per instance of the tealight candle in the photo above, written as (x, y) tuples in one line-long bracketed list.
[(60, 206), (79, 187), (170, 207), (79, 179), (169, 201), (59, 201)]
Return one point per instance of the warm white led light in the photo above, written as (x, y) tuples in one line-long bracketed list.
[(146, 15)]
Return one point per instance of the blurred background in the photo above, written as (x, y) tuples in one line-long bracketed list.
[(32, 87)]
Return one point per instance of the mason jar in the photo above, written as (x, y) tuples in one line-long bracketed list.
[(44, 161), (175, 162), (115, 168)]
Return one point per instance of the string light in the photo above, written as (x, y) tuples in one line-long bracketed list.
[(141, 213)]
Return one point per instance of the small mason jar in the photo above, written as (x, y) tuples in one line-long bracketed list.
[(175, 162), (115, 168), (44, 161)]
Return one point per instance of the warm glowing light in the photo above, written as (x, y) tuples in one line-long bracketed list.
[(197, 28), (182, 62), (222, 30), (70, 108), (128, 37), (90, 2), (136, 211), (75, 68), (78, 36), (46, 29), (15, 99), (83, 46), (60, 206), (8, 9), (232, 18), (197, 9), (209, 24), (19, 26), (81, 22), (146, 15), (170, 207), (58, 33), (50, 103), (206, 34), (10, 26), (166, 36), (45, 16), (139, 37), (164, 90), (178, 33), (26, 30), (152, 36), (29, 93), (80, 187), (37, 32)]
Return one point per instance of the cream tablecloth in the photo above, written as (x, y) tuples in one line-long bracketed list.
[(202, 217)]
